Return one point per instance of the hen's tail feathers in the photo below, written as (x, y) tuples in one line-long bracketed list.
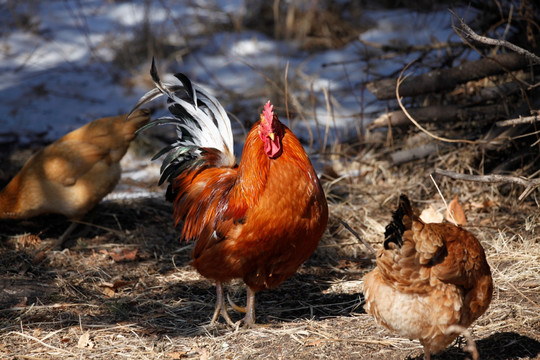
[(200, 121), (401, 221)]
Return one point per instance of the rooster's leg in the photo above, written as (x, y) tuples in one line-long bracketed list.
[(249, 319), (221, 308), (249, 310)]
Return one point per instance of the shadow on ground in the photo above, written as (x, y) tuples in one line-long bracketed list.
[(157, 289)]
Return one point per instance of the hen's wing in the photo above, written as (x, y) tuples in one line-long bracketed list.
[(465, 266), (411, 250), (67, 161)]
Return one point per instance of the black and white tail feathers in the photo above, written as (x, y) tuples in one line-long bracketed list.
[(200, 120), (401, 220)]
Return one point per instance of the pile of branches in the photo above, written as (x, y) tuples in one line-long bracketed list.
[(492, 103)]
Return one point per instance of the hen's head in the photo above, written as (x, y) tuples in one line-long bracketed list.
[(271, 132)]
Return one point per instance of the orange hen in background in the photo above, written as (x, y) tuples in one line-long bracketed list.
[(72, 175), (428, 278), (258, 220)]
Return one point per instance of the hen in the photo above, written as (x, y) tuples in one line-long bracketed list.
[(72, 175), (258, 220), (428, 278)]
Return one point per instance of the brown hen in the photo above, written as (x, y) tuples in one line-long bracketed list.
[(428, 278), (72, 175)]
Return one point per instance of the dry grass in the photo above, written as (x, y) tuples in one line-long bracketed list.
[(81, 303)]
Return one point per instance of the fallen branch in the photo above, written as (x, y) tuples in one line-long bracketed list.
[(445, 79), (492, 178), (518, 121), (406, 48), (530, 184), (420, 152), (497, 92), (442, 113)]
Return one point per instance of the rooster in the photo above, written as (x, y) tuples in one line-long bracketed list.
[(258, 220), (72, 175), (429, 277)]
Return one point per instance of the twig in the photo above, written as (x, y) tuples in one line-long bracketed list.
[(40, 342), (519, 292), (399, 81), (329, 112), (530, 184), (518, 121), (108, 229), (352, 341), (443, 199), (401, 48), (469, 33), (366, 244), (42, 307)]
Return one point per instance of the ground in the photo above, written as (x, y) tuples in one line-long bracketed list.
[(123, 286)]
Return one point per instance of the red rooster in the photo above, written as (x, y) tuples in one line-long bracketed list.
[(258, 220)]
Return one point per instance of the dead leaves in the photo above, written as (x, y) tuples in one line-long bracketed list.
[(455, 213), (110, 289), (485, 205), (121, 255), (85, 342), (176, 355), (27, 241)]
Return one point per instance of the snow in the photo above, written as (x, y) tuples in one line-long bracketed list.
[(60, 75)]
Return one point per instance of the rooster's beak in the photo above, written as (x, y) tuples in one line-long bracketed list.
[(271, 136)]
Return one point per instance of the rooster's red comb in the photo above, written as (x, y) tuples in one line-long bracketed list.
[(268, 112)]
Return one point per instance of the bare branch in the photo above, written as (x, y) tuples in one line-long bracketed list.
[(419, 152), (470, 34), (446, 79), (493, 178), (530, 184), (439, 114)]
